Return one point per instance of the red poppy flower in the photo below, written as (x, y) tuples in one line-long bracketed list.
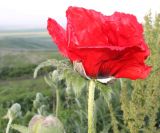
[(105, 45)]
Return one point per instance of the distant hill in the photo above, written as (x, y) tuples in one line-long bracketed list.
[(26, 40)]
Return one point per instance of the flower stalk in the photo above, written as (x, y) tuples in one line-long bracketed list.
[(13, 112), (91, 106), (114, 121), (57, 102), (9, 125)]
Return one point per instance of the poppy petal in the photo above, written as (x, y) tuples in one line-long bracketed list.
[(106, 46), (123, 30), (129, 64), (58, 35), (87, 27)]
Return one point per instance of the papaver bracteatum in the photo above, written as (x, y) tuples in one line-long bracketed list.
[(105, 45)]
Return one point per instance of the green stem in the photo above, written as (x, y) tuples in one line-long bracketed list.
[(113, 118), (8, 125), (91, 126), (57, 102)]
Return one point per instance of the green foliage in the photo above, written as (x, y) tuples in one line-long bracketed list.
[(21, 91), (140, 99), (25, 89), (73, 110), (11, 72), (41, 104), (21, 129)]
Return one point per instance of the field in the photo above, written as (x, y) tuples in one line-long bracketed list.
[(20, 53), (31, 40)]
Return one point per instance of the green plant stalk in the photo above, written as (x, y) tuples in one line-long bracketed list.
[(39, 112), (57, 102), (91, 127), (113, 118), (9, 125)]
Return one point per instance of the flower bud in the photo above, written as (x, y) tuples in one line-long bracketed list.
[(14, 111), (49, 124), (36, 104), (43, 109), (39, 97), (35, 123)]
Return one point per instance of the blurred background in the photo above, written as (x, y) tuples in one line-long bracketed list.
[(24, 41)]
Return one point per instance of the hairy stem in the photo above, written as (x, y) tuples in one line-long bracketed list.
[(8, 125), (57, 102), (91, 128)]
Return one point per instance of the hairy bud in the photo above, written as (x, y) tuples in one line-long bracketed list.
[(14, 111), (49, 124)]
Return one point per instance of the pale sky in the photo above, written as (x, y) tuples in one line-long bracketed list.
[(28, 14)]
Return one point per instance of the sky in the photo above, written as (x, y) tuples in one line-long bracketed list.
[(32, 14)]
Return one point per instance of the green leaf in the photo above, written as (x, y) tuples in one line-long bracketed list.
[(47, 63), (78, 85), (105, 90), (21, 129)]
